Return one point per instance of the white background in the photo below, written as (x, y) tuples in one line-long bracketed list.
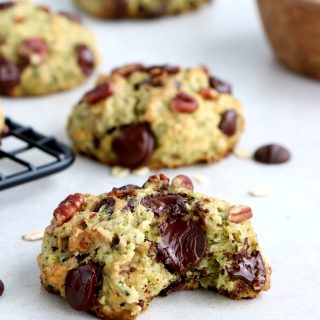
[(279, 107)]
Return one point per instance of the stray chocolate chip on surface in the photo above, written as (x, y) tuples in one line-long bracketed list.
[(272, 154)]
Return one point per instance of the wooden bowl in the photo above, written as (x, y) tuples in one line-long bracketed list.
[(293, 29)]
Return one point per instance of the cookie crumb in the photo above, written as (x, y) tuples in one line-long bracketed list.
[(33, 236), (261, 191), (119, 172), (141, 171), (199, 179), (241, 153)]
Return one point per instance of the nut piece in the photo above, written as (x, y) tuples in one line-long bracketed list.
[(68, 207), (240, 213), (184, 103), (33, 236), (182, 181), (209, 94)]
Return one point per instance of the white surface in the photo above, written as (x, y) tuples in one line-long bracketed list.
[(279, 107)]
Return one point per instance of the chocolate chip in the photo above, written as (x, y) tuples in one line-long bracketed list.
[(9, 76), (7, 4), (183, 245), (173, 287), (272, 154), (171, 205), (108, 204), (71, 16), (80, 287), (182, 181), (220, 85), (1, 288), (250, 268), (141, 303), (85, 59), (120, 9), (183, 102), (100, 92), (228, 123), (133, 145)]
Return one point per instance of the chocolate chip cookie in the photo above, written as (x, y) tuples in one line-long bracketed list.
[(157, 116), (135, 9), (42, 52), (113, 253)]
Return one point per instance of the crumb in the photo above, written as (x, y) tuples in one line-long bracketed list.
[(242, 154), (119, 172), (141, 171)]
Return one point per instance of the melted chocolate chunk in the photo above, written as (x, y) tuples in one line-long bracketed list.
[(220, 85), (120, 8), (7, 4), (272, 154), (133, 145), (85, 59), (141, 303), (108, 204), (171, 205), (249, 268), (1, 288), (228, 123), (80, 287), (9, 76), (183, 245)]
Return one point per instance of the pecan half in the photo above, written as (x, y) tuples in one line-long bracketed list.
[(240, 213), (68, 208)]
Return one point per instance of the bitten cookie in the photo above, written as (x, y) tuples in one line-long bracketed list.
[(42, 52), (113, 253), (159, 116), (118, 9)]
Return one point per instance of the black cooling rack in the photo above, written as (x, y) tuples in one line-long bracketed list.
[(26, 155)]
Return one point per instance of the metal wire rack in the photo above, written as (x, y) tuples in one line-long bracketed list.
[(27, 155)]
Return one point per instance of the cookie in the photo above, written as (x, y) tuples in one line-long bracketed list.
[(113, 253), (145, 9), (159, 116), (42, 52)]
